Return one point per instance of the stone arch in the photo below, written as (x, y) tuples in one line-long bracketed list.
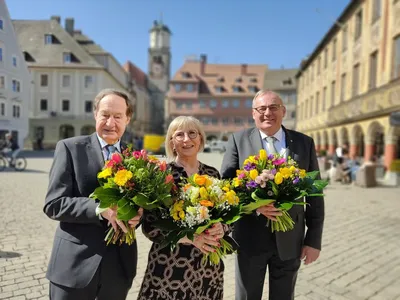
[(333, 141), (344, 137), (66, 131), (318, 139), (88, 129), (357, 143), (325, 140), (375, 141)]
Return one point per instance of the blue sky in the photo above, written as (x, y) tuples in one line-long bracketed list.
[(273, 32)]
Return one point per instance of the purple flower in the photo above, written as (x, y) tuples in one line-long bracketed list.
[(249, 167), (270, 156), (252, 184), (273, 171), (296, 180)]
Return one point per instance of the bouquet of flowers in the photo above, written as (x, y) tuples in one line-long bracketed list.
[(202, 202), (129, 181), (275, 179)]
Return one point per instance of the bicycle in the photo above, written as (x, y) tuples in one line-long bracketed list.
[(20, 162)]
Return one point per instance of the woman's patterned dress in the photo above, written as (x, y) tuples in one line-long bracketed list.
[(179, 274)]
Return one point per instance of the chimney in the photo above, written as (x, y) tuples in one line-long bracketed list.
[(203, 62), (56, 18), (69, 26), (243, 69)]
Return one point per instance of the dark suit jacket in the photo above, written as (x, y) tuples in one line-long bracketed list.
[(79, 239), (251, 231)]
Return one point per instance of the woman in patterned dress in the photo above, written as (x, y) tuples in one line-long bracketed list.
[(180, 274)]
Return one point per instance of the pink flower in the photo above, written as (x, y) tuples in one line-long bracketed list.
[(242, 175), (279, 161), (116, 158), (143, 153), (136, 154), (169, 178), (163, 166)]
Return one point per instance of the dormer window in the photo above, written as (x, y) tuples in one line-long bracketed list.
[(28, 57), (237, 89), (221, 79), (190, 88), (50, 39), (287, 81), (177, 87), (69, 57), (1, 24), (239, 79), (253, 79), (186, 75)]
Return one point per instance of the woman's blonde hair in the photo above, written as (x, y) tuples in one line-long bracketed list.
[(183, 123)]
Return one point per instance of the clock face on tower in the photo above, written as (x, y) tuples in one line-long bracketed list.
[(157, 69)]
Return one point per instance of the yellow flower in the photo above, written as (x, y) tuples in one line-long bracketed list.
[(122, 177), (182, 214), (292, 169), (199, 179), (232, 198), (225, 189), (285, 172), (203, 193), (209, 181), (278, 178), (253, 174), (177, 211), (238, 172), (263, 154), (236, 182), (105, 173), (302, 173)]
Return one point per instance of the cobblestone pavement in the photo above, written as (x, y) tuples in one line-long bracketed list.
[(360, 257)]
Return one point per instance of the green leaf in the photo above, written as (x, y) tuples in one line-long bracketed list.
[(249, 208), (200, 229), (286, 205), (274, 188), (130, 213), (106, 196), (312, 174), (320, 184)]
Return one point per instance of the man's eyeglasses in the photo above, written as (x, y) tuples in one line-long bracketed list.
[(180, 136), (272, 107)]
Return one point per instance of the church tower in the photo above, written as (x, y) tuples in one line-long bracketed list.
[(159, 68)]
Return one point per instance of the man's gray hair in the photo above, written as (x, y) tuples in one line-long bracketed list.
[(263, 92), (122, 94)]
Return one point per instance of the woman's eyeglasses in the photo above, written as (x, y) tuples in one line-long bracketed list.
[(180, 136)]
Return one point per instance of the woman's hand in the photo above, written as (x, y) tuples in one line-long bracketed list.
[(205, 243), (217, 231)]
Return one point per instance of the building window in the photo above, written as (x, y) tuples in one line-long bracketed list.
[(66, 81), (373, 69), (189, 87), (2, 109), (88, 81), (343, 88), (65, 105), (376, 10), (1, 24), (178, 104), (44, 80), (326, 58), (225, 103), (88, 106), (334, 49), (333, 94), (344, 38), (177, 87), (238, 121), (319, 66), (213, 103), (356, 79), (317, 103), (358, 27), (14, 61), (16, 86), (236, 89), (218, 89), (311, 106), (16, 111), (189, 105), (396, 58), (67, 57), (225, 121), (48, 39), (293, 114), (43, 105), (202, 103), (253, 89), (248, 103), (236, 103), (250, 120), (2, 82), (1, 54), (214, 121), (324, 94)]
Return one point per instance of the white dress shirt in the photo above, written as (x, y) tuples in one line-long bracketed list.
[(280, 142)]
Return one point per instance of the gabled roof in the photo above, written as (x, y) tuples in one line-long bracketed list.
[(281, 79), (88, 44), (136, 74), (31, 37)]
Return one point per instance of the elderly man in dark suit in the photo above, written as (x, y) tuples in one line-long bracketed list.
[(81, 265), (281, 252)]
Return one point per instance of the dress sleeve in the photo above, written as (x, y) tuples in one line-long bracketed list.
[(154, 234)]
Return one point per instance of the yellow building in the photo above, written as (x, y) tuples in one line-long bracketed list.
[(349, 87)]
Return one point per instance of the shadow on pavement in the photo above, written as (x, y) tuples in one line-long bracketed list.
[(11, 170), (9, 254), (38, 153)]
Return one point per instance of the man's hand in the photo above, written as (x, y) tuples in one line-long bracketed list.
[(309, 254), (269, 211), (111, 215), (135, 220)]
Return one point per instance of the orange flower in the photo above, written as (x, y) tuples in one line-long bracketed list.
[(163, 166), (169, 178), (206, 203), (200, 179)]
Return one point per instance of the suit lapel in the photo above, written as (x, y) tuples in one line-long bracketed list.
[(94, 149), (255, 142)]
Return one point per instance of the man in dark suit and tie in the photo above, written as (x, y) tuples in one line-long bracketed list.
[(281, 252), (81, 265)]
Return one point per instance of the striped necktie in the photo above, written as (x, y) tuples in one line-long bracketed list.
[(110, 150)]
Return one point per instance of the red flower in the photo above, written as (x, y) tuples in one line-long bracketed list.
[(116, 158), (163, 165), (169, 178), (136, 154)]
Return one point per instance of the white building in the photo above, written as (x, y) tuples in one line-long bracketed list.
[(15, 82), (68, 70)]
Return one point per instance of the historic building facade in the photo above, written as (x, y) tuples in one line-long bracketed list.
[(349, 87)]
